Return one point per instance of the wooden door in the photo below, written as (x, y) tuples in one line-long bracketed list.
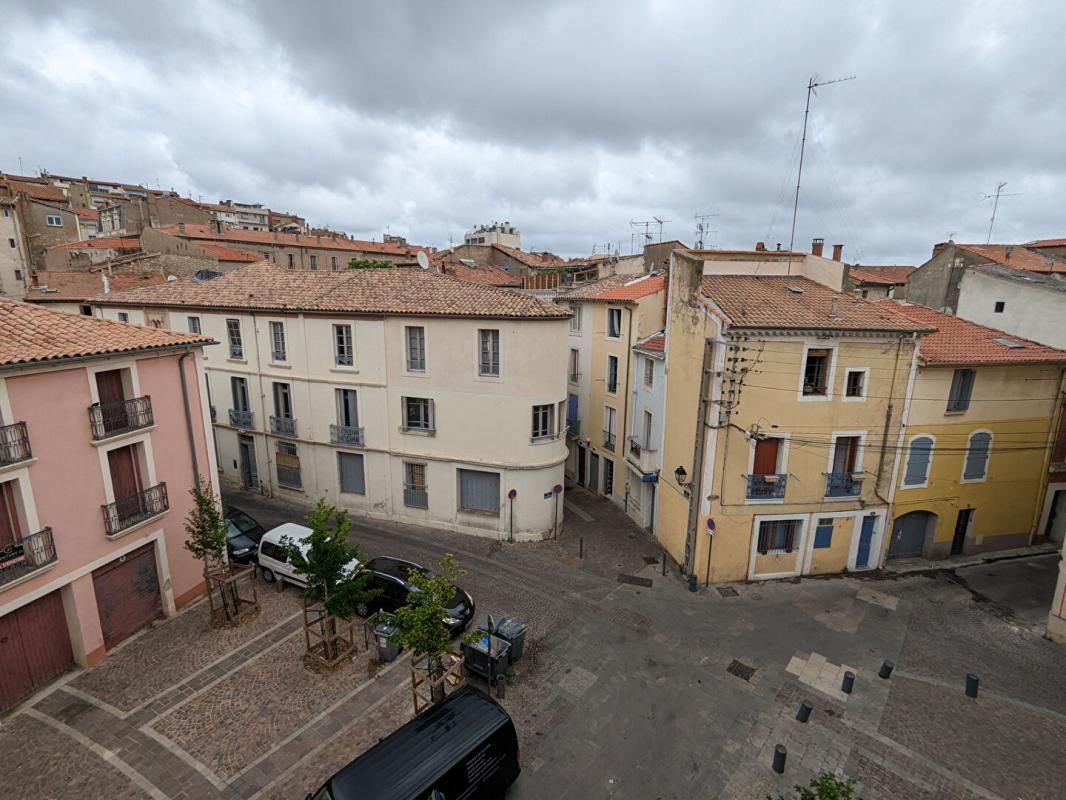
[(10, 530), (766, 457), (125, 481), (111, 393), (127, 595), (34, 648)]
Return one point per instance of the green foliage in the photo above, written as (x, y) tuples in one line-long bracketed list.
[(206, 526), (421, 621), (331, 564), (826, 786), (369, 263)]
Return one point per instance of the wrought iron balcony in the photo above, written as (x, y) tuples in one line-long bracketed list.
[(122, 416), (766, 487), (240, 418), (608, 441), (612, 387), (283, 426), (843, 484), (345, 359), (128, 511), (289, 476), (26, 556), (14, 444), (635, 447), (278, 355), (573, 428), (346, 434)]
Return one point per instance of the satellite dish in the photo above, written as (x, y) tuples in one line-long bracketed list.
[(423, 259)]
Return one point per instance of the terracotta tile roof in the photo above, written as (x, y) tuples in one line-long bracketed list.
[(38, 191), (488, 274), (530, 259), (791, 303), (104, 243), (618, 288), (242, 236), (1047, 243), (882, 276), (55, 287), (1016, 257), (30, 334), (87, 214), (398, 291), (959, 341), (229, 254), (656, 343)]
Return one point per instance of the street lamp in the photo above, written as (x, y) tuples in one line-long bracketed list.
[(681, 476)]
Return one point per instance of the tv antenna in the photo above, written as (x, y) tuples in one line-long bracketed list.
[(994, 197), (812, 84), (702, 229)]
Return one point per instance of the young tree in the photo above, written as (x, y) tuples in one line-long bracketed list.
[(421, 621), (825, 786), (331, 564), (369, 263), (206, 527)]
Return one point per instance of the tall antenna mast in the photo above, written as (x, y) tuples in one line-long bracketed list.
[(812, 84), (660, 222), (995, 205), (701, 228)]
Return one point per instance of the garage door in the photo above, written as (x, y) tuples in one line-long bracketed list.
[(34, 648), (127, 595)]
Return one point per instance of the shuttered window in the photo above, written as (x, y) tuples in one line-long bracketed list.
[(961, 389), (919, 455), (977, 457), (778, 536), (479, 491), (353, 479)]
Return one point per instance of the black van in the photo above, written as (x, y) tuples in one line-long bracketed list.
[(465, 748)]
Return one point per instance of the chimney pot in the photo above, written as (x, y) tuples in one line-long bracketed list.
[(838, 251), (779, 246), (760, 246), (833, 309), (816, 247)]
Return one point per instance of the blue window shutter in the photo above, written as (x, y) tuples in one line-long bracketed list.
[(977, 456), (918, 458), (823, 536)]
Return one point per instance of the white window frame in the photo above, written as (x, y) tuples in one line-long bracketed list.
[(350, 344), (194, 324), (575, 320), (859, 452), (240, 340), (53, 220), (782, 467), (929, 467), (800, 544), (648, 378), (498, 374), (830, 376), (966, 455), (844, 398), (123, 316), (280, 326), (407, 369), (617, 375), (550, 429), (607, 323)]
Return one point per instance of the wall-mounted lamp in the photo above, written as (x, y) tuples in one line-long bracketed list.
[(681, 476)]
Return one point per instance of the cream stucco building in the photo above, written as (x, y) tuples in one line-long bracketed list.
[(394, 393)]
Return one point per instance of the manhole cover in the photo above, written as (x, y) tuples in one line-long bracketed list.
[(634, 580), (728, 591), (740, 669), (651, 559)]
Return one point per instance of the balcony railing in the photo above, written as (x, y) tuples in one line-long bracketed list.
[(278, 355), (14, 444), (612, 387), (283, 426), (128, 511), (415, 497), (573, 428), (345, 359), (346, 434), (843, 484), (239, 418), (289, 476), (21, 558), (608, 441), (122, 416), (766, 487)]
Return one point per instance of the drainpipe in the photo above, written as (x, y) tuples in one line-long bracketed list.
[(888, 422), (188, 417), (695, 484)]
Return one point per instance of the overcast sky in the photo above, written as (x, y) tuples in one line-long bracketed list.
[(568, 119)]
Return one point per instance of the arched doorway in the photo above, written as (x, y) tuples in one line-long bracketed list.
[(909, 534)]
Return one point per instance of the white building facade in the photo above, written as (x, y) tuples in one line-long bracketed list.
[(644, 447), (1028, 304)]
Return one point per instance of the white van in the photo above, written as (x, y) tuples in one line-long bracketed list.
[(274, 563)]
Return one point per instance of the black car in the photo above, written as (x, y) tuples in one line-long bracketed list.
[(242, 536), (390, 576)]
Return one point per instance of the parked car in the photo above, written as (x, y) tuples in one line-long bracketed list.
[(391, 577), (242, 536), (463, 747), (273, 557)]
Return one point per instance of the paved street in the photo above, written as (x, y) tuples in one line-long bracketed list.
[(626, 690)]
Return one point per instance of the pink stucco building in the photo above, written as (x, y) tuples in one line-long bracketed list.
[(102, 431)]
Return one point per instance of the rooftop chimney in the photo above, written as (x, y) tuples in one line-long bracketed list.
[(779, 246), (838, 251), (940, 247), (760, 246), (816, 247), (833, 309)]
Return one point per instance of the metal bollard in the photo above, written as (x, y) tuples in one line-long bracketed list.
[(886, 669), (848, 683), (804, 712), (581, 547), (501, 686), (972, 682), (664, 563), (692, 586), (780, 753)]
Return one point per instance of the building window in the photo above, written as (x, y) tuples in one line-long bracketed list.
[(277, 341), (608, 428), (575, 320), (352, 476), (53, 221), (86, 311), (612, 374), (18, 274), (239, 386), (314, 262), (266, 255), (768, 477), (347, 409), (489, 346), (343, 350), (415, 336), (574, 372), (543, 421), (816, 372), (855, 383), (282, 401), (418, 414), (919, 457), (292, 261), (961, 390), (415, 491), (123, 316), (823, 533), (608, 476), (479, 491), (646, 443), (649, 372), (194, 325), (11, 242), (333, 263), (977, 450), (778, 536), (865, 292), (614, 323), (1000, 305), (288, 465), (233, 333)]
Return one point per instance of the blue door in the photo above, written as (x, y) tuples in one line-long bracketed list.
[(866, 536), (571, 409)]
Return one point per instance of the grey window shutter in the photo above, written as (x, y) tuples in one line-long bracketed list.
[(918, 457), (479, 491), (432, 414), (977, 456), (353, 478)]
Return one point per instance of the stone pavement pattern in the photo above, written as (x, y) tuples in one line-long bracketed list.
[(625, 691)]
